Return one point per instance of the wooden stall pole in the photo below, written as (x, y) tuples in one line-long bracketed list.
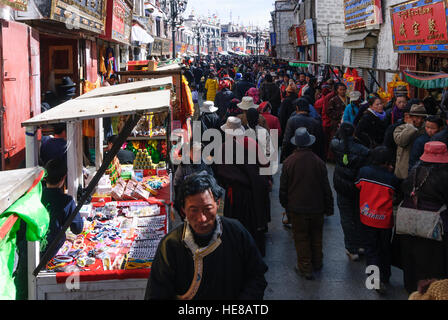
[(74, 157), (31, 158), (99, 137)]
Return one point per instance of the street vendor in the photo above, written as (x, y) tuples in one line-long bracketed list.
[(54, 147), (59, 205), (230, 264), (124, 156)]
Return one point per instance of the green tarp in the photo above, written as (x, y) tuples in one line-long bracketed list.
[(437, 81), (31, 211)]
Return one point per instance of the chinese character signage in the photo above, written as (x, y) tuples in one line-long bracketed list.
[(362, 13), (20, 5), (80, 14), (419, 26)]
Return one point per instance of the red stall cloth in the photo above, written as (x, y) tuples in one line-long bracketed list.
[(95, 272)]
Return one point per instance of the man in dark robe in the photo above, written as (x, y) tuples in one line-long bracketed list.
[(247, 191), (209, 256)]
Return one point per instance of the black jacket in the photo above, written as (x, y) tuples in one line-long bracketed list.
[(269, 91), (345, 174), (209, 120), (313, 126), (241, 88), (222, 101), (370, 130), (304, 185), (235, 270), (389, 141), (441, 136), (287, 107)]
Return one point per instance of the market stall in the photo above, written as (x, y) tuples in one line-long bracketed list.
[(125, 208), (183, 108)]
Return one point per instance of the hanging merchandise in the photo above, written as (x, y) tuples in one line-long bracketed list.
[(354, 82), (187, 105), (102, 66), (385, 96), (110, 62), (436, 81), (395, 83)]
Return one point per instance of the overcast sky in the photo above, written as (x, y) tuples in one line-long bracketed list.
[(255, 12)]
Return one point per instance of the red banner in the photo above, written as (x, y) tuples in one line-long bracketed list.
[(424, 25)]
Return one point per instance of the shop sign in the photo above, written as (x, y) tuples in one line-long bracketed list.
[(20, 5), (118, 21), (305, 33), (419, 26), (157, 47), (362, 13), (166, 47), (273, 37), (77, 14)]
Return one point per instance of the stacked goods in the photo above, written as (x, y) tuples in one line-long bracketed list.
[(127, 194), (114, 170), (118, 189), (131, 190), (143, 160)]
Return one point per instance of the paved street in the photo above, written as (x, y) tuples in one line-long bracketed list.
[(339, 279)]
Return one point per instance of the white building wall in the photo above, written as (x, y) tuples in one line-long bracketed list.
[(330, 11)]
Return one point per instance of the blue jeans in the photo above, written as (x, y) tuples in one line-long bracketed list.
[(351, 225)]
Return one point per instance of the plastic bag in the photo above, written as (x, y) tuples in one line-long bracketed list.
[(30, 209)]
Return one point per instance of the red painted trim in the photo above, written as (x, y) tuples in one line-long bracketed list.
[(6, 227)]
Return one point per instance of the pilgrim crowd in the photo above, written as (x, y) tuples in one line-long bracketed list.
[(390, 163)]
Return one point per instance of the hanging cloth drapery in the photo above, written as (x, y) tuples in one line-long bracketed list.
[(428, 82)]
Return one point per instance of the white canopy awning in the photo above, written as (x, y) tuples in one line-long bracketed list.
[(106, 106), (130, 87), (140, 35)]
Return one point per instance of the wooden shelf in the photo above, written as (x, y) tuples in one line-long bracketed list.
[(147, 138)]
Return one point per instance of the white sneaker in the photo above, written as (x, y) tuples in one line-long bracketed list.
[(352, 256)]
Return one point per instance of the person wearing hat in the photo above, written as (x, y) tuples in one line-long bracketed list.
[(306, 195), (247, 191), (269, 91), (377, 185), (405, 135), (288, 106), (66, 90), (302, 118), (426, 188), (248, 103), (352, 109), (209, 118)]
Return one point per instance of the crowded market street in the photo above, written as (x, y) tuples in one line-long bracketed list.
[(177, 150)]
